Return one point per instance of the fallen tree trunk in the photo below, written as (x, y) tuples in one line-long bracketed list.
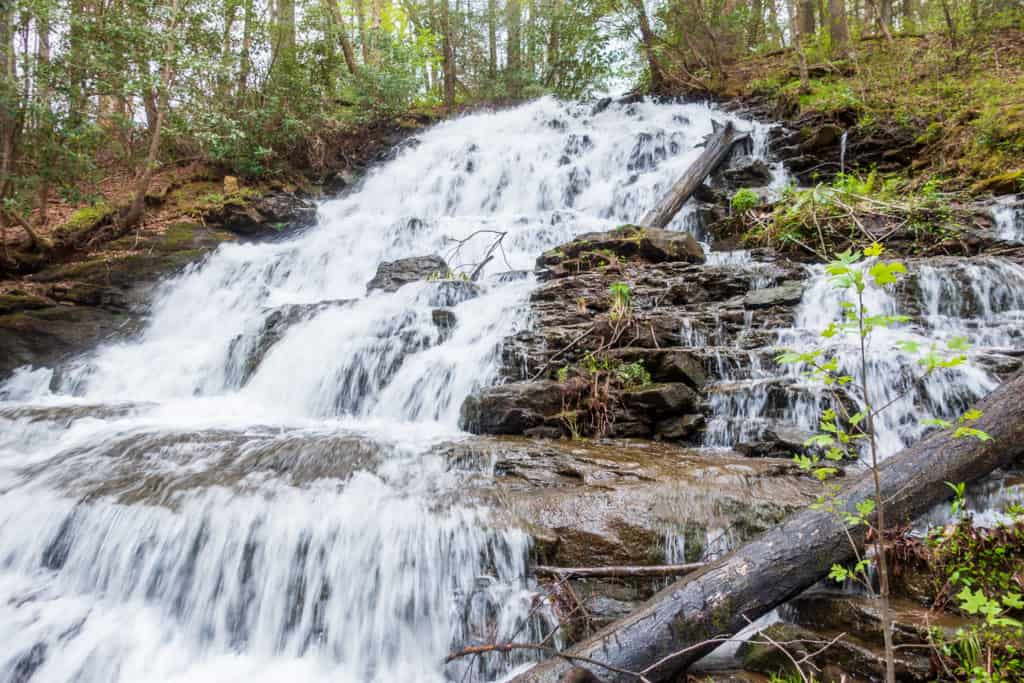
[(665, 635), (658, 570), (716, 150)]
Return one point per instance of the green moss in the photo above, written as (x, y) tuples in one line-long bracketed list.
[(88, 217), (1003, 183), (11, 303)]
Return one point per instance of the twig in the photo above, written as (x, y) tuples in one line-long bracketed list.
[(618, 572)]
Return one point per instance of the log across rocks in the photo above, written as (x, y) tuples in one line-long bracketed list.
[(716, 151), (665, 636)]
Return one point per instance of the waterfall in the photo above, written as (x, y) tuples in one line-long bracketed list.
[(208, 501), (1008, 214)]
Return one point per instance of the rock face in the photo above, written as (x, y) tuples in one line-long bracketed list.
[(67, 309), (392, 275), (601, 249), (513, 408), (270, 215), (629, 502), (745, 171)]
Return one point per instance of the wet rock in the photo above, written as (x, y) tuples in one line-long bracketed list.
[(445, 320), (658, 401), (821, 137), (392, 275), (861, 616), (788, 294), (781, 441), (511, 408), (665, 365), (746, 171), (598, 249), (275, 325), (848, 657), (614, 502), (447, 293), (679, 428), (270, 215)]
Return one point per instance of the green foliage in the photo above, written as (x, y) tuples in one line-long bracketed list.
[(979, 572), (621, 301), (744, 200)]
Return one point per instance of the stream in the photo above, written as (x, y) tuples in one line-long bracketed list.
[(198, 504)]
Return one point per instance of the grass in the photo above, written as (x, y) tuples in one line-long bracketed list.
[(965, 107)]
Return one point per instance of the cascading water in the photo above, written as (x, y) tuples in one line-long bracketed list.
[(197, 504), (1008, 214)]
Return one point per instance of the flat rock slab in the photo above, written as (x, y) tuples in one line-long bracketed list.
[(601, 503), (602, 249)]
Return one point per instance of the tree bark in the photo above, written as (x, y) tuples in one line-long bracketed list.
[(715, 152), (785, 561), (805, 19), (245, 59), (448, 56), (660, 570), (364, 43), (131, 217), (514, 50), (648, 38), (45, 120), (492, 41), (334, 10), (838, 31)]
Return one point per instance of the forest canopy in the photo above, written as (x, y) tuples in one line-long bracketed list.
[(254, 87)]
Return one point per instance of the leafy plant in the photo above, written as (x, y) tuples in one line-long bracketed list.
[(744, 200), (843, 434), (621, 301)]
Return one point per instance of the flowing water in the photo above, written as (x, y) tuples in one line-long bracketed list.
[(191, 505), (200, 504)]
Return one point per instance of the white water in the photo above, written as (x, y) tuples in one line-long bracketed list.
[(165, 517), (1008, 214)]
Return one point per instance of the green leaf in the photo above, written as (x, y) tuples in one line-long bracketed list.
[(875, 249), (970, 431), (838, 573)]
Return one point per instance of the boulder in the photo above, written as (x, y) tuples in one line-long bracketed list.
[(787, 294), (447, 293), (665, 365), (657, 401), (679, 428), (270, 215), (392, 275), (781, 441), (511, 408), (599, 249), (849, 657), (745, 171)]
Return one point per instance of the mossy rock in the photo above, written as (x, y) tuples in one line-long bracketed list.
[(87, 218), (1004, 183), (12, 303)]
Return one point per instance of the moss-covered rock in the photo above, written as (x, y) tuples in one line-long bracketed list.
[(1004, 183)]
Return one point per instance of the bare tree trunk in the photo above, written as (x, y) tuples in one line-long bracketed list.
[(798, 44), (838, 31), (334, 11), (45, 122), (648, 38), (492, 41), (131, 217), (245, 59), (717, 150), (448, 56), (551, 78), (10, 118), (805, 19), (674, 628), (514, 58), (364, 42)]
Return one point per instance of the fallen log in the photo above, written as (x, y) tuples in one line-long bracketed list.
[(716, 150), (658, 570), (673, 628)]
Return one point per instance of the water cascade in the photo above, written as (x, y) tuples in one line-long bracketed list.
[(254, 488), (201, 504)]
